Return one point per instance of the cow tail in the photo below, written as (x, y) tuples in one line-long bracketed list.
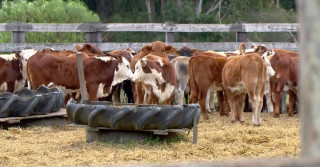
[(242, 48), (193, 87)]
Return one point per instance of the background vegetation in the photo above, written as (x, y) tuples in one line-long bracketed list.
[(152, 11)]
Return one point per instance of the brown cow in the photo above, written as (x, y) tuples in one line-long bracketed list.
[(245, 74), (205, 71), (158, 77), (101, 73), (286, 67)]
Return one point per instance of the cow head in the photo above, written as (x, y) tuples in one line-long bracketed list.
[(158, 48), (123, 70), (259, 49), (266, 57), (185, 51), (89, 49)]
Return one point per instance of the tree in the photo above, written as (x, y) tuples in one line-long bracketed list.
[(42, 11)]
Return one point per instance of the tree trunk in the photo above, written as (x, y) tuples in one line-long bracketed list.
[(104, 9), (199, 8), (149, 9), (277, 3), (179, 3)]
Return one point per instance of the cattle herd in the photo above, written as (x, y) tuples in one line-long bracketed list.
[(161, 74)]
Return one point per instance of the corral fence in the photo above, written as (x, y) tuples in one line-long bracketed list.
[(93, 34)]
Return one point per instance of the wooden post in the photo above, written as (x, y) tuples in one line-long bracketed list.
[(309, 76), (93, 35), (18, 35), (195, 130), (169, 35), (241, 36), (82, 81)]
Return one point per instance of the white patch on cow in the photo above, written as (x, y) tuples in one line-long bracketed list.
[(63, 88), (270, 72), (239, 88), (26, 54), (100, 91), (105, 58), (151, 79), (160, 62), (8, 57), (4, 87), (19, 85), (124, 72)]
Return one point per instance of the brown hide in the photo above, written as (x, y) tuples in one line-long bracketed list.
[(89, 48), (205, 70), (250, 70), (44, 68), (158, 48), (286, 71), (10, 72)]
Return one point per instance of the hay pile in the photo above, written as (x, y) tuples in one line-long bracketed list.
[(218, 140)]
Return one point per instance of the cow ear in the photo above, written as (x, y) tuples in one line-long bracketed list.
[(170, 49), (193, 51), (143, 63), (87, 46), (78, 47), (119, 58), (146, 49)]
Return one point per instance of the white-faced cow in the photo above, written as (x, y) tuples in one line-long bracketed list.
[(101, 73)]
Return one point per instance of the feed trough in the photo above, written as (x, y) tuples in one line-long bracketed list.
[(28, 102), (159, 119)]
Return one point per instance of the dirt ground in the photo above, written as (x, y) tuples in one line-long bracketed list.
[(218, 140)]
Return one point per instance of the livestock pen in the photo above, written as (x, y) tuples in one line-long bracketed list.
[(75, 151)]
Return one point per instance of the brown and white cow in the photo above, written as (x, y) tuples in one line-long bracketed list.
[(245, 74), (142, 91), (158, 78), (11, 78), (205, 69), (101, 73), (286, 67)]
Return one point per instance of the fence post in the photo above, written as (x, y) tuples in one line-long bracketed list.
[(17, 36), (241, 36), (309, 76), (169, 35), (82, 81), (93, 35)]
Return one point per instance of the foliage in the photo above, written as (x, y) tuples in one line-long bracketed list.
[(42, 11)]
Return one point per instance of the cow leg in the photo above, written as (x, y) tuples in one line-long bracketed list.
[(211, 102), (221, 101), (276, 104), (179, 96), (283, 102), (242, 98), (269, 103), (116, 93), (256, 104), (292, 100), (208, 101), (202, 102), (233, 102)]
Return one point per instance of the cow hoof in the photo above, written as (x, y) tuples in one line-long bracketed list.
[(206, 117), (224, 114), (276, 115), (290, 114), (255, 125)]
